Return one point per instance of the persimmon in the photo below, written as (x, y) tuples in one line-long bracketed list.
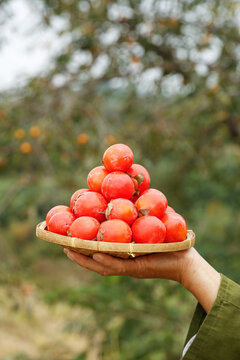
[(148, 229), (56, 209), (170, 209), (117, 185), (141, 175), (75, 195), (118, 157), (151, 202), (85, 227), (122, 209), (90, 203), (96, 177), (115, 231), (60, 222), (176, 227)]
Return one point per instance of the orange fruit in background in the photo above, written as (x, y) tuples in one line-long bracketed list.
[(3, 114), (110, 139), (19, 134), (82, 139), (26, 148), (35, 131)]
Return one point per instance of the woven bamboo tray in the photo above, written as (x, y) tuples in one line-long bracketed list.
[(125, 251)]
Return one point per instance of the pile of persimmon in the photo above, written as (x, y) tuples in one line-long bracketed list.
[(118, 206)]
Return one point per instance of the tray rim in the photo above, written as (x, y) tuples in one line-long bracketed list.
[(131, 249)]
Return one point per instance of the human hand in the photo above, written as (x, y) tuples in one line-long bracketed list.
[(187, 267), (170, 265)]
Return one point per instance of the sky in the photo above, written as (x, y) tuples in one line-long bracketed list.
[(27, 47)]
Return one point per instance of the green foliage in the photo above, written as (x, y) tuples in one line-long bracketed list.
[(184, 127)]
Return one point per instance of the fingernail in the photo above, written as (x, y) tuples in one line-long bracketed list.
[(65, 251), (97, 257)]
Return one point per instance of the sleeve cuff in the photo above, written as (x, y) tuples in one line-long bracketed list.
[(217, 332)]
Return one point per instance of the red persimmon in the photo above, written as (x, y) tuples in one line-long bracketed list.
[(176, 227), (148, 229), (115, 231), (122, 209), (60, 222), (96, 177), (118, 157), (117, 185), (139, 173), (90, 204), (75, 195), (152, 202), (169, 209), (85, 227), (56, 209)]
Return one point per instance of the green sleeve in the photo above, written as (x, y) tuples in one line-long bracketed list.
[(218, 331)]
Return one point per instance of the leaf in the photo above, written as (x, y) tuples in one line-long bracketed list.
[(139, 178), (144, 212), (109, 209)]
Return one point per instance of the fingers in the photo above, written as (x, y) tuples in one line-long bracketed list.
[(88, 263), (118, 266)]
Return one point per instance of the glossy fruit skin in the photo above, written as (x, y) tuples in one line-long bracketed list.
[(56, 209), (176, 227), (60, 222), (90, 204), (85, 228), (152, 202), (96, 177), (118, 157), (115, 231), (75, 195), (148, 230), (117, 185), (142, 176), (122, 209), (169, 209)]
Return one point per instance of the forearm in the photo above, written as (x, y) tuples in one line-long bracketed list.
[(201, 279)]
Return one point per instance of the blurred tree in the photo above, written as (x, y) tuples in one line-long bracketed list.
[(163, 77)]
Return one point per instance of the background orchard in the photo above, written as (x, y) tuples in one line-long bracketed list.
[(162, 77)]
